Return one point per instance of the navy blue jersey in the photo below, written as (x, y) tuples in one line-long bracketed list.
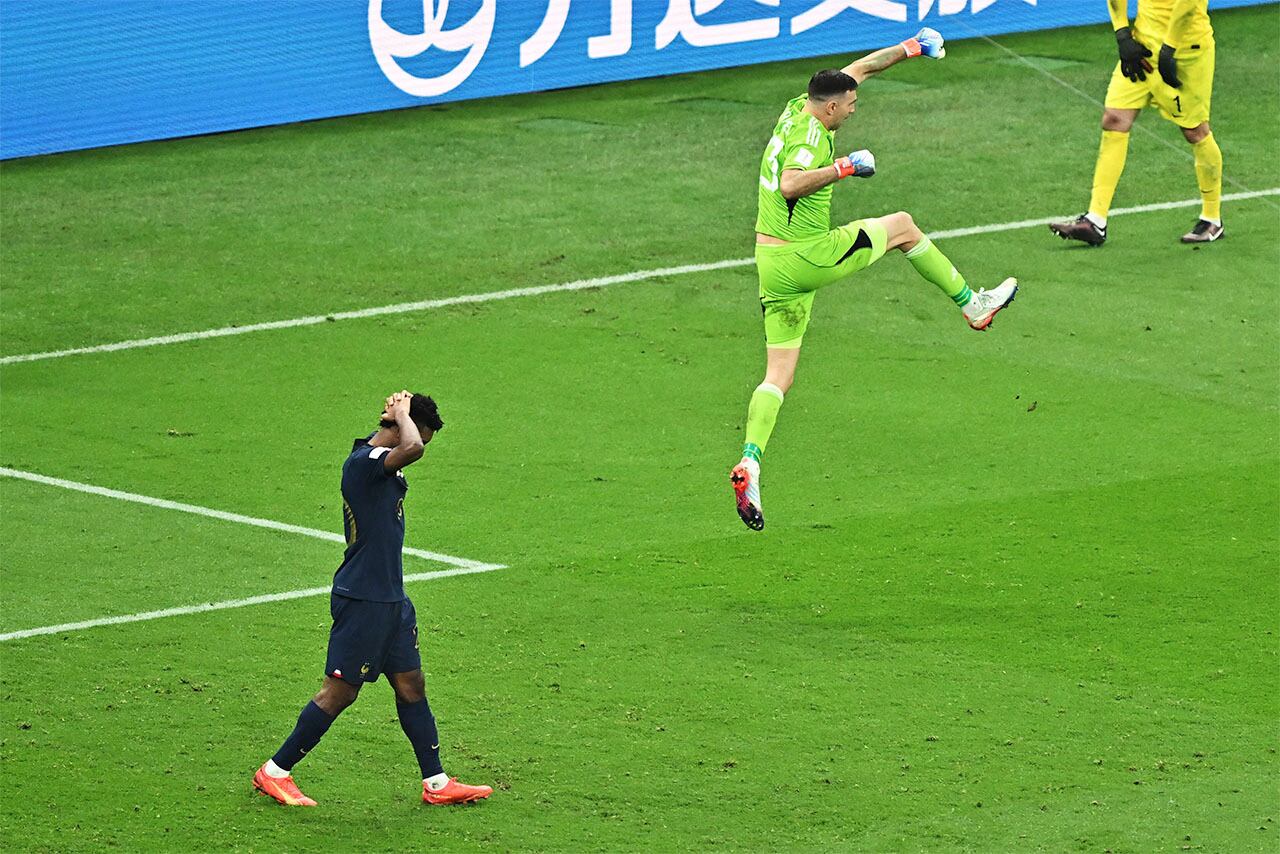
[(373, 519)]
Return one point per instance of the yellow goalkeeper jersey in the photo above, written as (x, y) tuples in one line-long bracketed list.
[(1177, 23)]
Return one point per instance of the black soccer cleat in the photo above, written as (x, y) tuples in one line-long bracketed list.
[(1082, 229), (1204, 232)]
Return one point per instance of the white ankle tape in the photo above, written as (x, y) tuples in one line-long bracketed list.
[(920, 248), (770, 388)]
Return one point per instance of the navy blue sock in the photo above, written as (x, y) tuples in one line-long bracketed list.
[(313, 723), (420, 725)]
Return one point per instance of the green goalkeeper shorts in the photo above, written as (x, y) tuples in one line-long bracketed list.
[(791, 273)]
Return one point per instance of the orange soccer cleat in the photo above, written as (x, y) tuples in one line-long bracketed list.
[(455, 793), (282, 789)]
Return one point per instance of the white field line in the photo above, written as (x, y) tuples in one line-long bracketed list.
[(225, 516), (377, 311), (1155, 206), (219, 606), (462, 566), (577, 285)]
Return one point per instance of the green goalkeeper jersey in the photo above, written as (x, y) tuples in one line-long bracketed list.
[(799, 141)]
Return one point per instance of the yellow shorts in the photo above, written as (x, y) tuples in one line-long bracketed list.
[(1187, 107)]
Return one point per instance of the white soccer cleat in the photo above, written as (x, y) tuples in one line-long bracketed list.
[(745, 479), (986, 304)]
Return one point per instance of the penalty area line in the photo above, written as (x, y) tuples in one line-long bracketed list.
[(577, 285), (143, 616), (460, 566)]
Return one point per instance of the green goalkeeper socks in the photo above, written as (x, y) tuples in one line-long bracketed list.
[(762, 414), (934, 266)]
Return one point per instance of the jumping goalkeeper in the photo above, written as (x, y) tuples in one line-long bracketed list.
[(797, 251)]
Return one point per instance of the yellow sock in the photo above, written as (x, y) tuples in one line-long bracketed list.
[(1106, 175), (1209, 174)]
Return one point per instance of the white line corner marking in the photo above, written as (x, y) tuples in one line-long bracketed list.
[(577, 285), (461, 566)]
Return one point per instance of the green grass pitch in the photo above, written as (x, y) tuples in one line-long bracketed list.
[(1018, 590)]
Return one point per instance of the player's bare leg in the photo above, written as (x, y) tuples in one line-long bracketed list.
[(762, 414), (1208, 227), (1091, 227), (979, 307), (275, 778)]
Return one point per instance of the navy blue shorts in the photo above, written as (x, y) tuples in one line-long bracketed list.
[(370, 638)]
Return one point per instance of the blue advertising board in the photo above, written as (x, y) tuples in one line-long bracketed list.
[(85, 73)]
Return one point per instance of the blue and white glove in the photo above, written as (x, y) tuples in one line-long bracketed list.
[(860, 164), (927, 42)]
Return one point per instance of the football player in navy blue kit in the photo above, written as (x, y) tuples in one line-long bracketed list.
[(375, 629)]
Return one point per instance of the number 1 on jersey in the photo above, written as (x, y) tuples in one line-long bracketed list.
[(771, 157)]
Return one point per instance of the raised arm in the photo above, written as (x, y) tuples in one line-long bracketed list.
[(927, 42), (874, 63), (410, 448)]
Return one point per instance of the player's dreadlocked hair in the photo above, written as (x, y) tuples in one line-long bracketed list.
[(830, 83), (422, 409)]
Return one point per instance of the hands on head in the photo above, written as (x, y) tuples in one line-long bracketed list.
[(397, 404)]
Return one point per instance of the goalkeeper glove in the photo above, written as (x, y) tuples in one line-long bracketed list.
[(927, 42), (860, 164), (1133, 56), (1168, 67)]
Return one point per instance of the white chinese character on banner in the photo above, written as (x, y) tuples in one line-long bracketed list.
[(536, 46), (889, 10), (616, 43), (680, 21), (390, 44)]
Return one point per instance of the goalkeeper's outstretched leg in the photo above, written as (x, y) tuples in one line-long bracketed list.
[(980, 307)]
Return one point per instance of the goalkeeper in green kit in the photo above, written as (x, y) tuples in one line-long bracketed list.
[(797, 251)]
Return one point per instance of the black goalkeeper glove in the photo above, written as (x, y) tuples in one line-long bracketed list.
[(1133, 56), (1169, 67)]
